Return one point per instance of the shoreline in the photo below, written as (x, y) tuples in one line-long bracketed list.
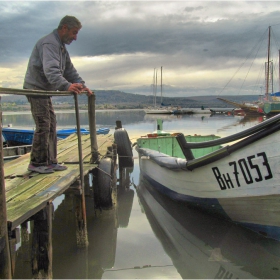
[(68, 111)]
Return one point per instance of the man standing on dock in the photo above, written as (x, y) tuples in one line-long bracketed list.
[(50, 68)]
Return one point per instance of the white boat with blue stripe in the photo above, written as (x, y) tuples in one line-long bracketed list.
[(235, 177)]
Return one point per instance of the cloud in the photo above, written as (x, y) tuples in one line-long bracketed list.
[(197, 43)]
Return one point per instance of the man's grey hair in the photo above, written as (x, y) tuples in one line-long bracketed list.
[(71, 22)]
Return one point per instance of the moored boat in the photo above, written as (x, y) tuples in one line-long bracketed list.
[(163, 108), (239, 181), (246, 107), (16, 136), (158, 110), (269, 104), (182, 111)]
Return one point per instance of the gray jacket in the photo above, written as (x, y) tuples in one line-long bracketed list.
[(50, 66)]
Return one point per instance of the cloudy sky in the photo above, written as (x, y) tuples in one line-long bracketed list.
[(204, 47)]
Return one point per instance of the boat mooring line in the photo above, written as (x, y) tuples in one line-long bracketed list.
[(104, 172)]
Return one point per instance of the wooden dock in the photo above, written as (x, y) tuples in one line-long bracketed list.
[(28, 192), (27, 196)]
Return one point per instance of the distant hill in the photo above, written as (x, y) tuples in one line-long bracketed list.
[(119, 99)]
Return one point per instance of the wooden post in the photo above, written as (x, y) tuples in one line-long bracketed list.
[(22, 261), (14, 238), (25, 251), (92, 129), (118, 124), (42, 243), (114, 153), (50, 212), (83, 224), (5, 260)]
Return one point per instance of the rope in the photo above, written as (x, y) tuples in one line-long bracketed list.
[(104, 172)]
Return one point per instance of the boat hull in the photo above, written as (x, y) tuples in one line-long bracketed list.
[(271, 107), (15, 136), (158, 111), (243, 186)]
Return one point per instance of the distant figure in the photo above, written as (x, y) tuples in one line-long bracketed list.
[(50, 68)]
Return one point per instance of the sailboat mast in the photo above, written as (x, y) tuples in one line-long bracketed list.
[(268, 65), (156, 90), (161, 85), (154, 87)]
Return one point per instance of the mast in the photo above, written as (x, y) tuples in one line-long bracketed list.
[(268, 66), (161, 85), (156, 89), (272, 75)]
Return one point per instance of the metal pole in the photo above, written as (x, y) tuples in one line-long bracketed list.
[(268, 66), (81, 168)]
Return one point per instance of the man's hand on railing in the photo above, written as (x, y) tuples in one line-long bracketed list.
[(89, 92), (78, 88)]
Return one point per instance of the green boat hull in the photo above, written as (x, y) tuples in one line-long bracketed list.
[(271, 107)]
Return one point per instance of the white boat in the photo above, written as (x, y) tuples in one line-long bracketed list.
[(239, 181), (162, 109), (158, 110)]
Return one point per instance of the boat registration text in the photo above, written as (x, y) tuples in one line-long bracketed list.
[(244, 167)]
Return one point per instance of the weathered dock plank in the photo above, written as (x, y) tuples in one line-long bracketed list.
[(28, 192), (11, 183), (30, 187), (17, 167), (19, 209)]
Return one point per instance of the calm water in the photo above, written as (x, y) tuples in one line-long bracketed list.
[(147, 235)]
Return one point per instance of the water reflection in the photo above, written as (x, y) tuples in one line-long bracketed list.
[(61, 258), (202, 246), (102, 225), (68, 118), (137, 123), (125, 197), (109, 117), (245, 122)]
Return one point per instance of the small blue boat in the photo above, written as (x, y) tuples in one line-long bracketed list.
[(16, 136)]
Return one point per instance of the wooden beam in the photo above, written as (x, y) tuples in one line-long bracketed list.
[(92, 129), (5, 261)]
